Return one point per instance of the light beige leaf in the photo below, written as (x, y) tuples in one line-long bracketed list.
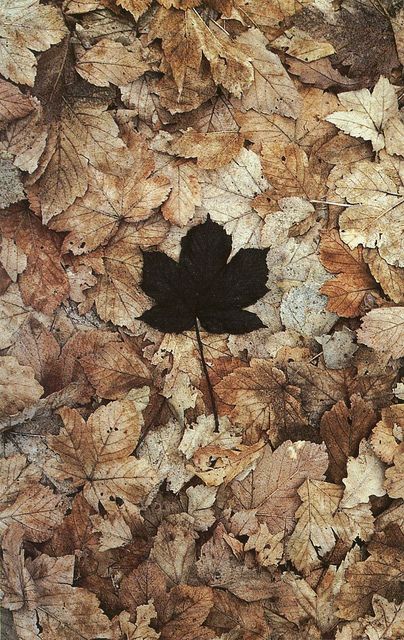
[(16, 476), (391, 279), (136, 7), (383, 330), (394, 484), (227, 196), (18, 387), (109, 62), (313, 535), (365, 477), (367, 114), (388, 433), (12, 258), (185, 193), (26, 138), (174, 547)]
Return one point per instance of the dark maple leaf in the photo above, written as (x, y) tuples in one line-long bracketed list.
[(203, 285)]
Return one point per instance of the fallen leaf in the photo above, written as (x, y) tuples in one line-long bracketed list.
[(383, 330), (18, 387)]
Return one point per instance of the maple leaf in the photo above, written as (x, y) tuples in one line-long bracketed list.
[(30, 26), (97, 455), (373, 117), (262, 399), (203, 285), (269, 493), (43, 600)]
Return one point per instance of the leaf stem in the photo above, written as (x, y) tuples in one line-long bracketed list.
[(206, 372)]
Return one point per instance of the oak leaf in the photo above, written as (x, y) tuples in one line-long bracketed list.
[(97, 455)]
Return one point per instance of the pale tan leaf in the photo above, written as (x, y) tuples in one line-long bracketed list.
[(390, 278), (185, 193), (367, 114), (365, 477), (388, 433), (383, 330), (18, 387)]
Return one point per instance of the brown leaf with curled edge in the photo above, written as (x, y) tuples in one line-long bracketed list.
[(262, 399), (212, 150), (272, 90), (13, 103), (390, 278), (198, 87), (342, 429), (381, 573), (269, 492), (37, 509), (383, 330), (43, 283), (25, 28), (97, 455), (353, 283), (229, 612), (115, 368), (109, 62), (43, 599), (18, 387)]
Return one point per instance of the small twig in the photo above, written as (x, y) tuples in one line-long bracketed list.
[(206, 372), (337, 204)]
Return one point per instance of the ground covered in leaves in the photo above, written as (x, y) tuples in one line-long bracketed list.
[(126, 511)]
